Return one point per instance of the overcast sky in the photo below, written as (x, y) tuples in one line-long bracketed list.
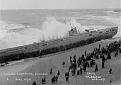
[(59, 4)]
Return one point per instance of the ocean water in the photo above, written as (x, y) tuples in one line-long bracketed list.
[(21, 27)]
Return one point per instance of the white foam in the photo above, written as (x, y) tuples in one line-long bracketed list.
[(3, 32), (51, 29)]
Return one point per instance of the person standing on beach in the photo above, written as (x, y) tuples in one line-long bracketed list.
[(96, 68), (108, 56), (67, 76), (43, 80), (70, 60), (110, 71), (85, 53), (63, 64), (34, 83), (103, 61), (58, 73), (51, 71), (103, 65)]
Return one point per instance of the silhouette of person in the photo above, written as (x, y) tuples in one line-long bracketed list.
[(96, 68), (58, 73), (34, 83), (51, 71), (110, 71)]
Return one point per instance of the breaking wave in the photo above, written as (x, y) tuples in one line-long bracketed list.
[(12, 35)]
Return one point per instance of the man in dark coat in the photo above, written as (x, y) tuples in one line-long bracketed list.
[(96, 68), (110, 71), (34, 83), (103, 65), (58, 73), (53, 79), (67, 76), (51, 71), (43, 80)]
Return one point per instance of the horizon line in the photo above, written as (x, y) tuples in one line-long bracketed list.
[(65, 9)]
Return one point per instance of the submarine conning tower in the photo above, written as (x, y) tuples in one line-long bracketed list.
[(73, 31)]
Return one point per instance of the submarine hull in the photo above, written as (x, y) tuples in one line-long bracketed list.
[(54, 46)]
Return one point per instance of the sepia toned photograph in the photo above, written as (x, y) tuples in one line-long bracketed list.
[(60, 42)]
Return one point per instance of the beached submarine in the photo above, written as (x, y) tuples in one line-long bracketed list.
[(74, 40)]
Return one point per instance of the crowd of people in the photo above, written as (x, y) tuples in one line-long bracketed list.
[(79, 65)]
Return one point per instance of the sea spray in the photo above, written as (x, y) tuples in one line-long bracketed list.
[(50, 29), (3, 32), (11, 38)]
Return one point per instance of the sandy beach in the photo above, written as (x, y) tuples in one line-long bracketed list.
[(24, 73)]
